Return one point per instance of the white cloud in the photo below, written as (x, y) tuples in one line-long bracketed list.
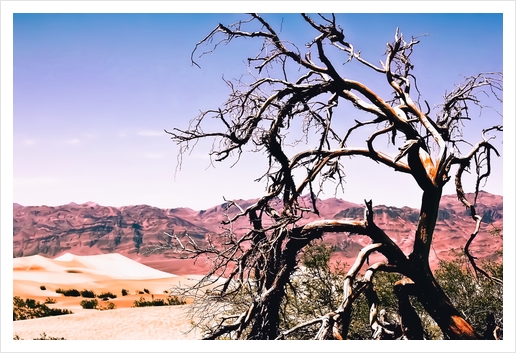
[(73, 141), (150, 133)]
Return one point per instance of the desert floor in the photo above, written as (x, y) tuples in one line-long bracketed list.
[(100, 273), (149, 323)]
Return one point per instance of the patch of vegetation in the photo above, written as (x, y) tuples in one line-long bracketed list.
[(317, 290), (476, 297), (142, 302), (50, 301), (146, 290), (42, 337), (69, 292), (89, 304), (125, 292), (107, 295), (42, 287), (88, 293), (108, 306), (32, 309)]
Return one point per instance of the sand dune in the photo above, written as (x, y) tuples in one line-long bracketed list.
[(100, 273), (109, 265)]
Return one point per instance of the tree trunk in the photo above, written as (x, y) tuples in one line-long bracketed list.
[(428, 291), (439, 306)]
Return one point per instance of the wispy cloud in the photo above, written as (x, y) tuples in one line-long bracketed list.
[(149, 133), (73, 141)]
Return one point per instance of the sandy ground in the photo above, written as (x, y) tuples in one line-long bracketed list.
[(100, 273), (149, 323)]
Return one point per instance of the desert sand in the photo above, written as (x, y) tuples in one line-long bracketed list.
[(100, 273)]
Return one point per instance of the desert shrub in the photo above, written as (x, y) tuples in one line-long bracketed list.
[(108, 306), (141, 303), (146, 290), (165, 291), (42, 337), (107, 295), (124, 292), (50, 301), (157, 302), (69, 292), (139, 292), (42, 287), (89, 304), (88, 293), (175, 301), (474, 296), (31, 309)]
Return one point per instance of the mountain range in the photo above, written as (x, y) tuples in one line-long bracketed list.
[(135, 231)]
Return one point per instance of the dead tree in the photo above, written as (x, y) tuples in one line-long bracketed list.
[(259, 115)]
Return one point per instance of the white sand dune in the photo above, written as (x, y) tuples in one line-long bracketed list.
[(109, 265), (38, 278)]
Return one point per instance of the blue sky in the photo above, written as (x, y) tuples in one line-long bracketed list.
[(94, 92)]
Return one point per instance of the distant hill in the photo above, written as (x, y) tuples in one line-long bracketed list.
[(90, 229)]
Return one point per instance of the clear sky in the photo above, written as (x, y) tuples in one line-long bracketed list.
[(94, 92)]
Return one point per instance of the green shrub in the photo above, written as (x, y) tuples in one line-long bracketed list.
[(42, 287), (124, 292), (146, 290), (107, 295), (89, 304), (88, 293), (31, 309)]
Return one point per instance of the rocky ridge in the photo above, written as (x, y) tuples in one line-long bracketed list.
[(134, 231)]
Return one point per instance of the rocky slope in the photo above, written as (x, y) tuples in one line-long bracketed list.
[(133, 231)]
